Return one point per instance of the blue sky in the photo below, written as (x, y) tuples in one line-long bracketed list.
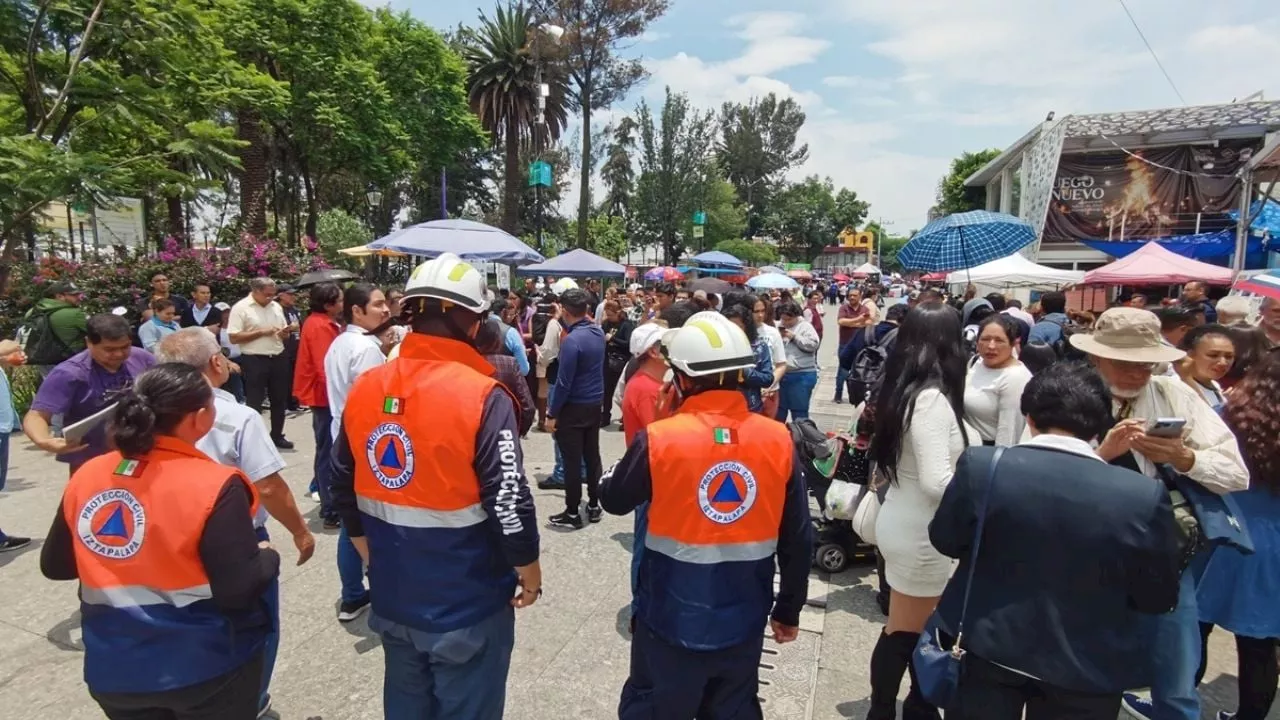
[(894, 89)]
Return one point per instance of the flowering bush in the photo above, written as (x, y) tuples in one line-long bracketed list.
[(109, 283)]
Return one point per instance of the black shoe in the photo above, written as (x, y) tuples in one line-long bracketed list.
[(550, 483), (566, 519), (594, 513), (14, 542), (837, 400), (606, 422), (282, 443), (264, 707), (332, 524), (351, 610)]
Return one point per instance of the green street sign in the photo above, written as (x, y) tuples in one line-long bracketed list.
[(539, 173), (700, 217)]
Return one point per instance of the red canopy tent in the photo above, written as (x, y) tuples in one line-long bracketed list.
[(1151, 264), (934, 277)]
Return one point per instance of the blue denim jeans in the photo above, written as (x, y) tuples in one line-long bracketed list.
[(794, 393), (442, 676), (271, 596), (1176, 652), (4, 468), (637, 549), (350, 569), (842, 375), (321, 421)]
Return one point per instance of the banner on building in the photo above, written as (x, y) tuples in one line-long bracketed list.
[(1151, 193)]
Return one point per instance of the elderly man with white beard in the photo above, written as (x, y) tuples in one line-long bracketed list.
[(1125, 346)]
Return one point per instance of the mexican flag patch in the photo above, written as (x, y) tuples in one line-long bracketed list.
[(130, 468), (725, 436), (393, 406)]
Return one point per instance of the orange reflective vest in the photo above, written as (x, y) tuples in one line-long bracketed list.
[(719, 477), (434, 564), (147, 611)]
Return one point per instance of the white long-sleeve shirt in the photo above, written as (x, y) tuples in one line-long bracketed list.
[(993, 401), (351, 354)]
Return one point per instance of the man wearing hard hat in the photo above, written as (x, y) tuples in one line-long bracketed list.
[(725, 496), (428, 478)]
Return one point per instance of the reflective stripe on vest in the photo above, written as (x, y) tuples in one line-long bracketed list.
[(127, 596), (710, 554), (416, 517), (412, 425)]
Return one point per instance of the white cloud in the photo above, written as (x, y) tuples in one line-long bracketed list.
[(649, 36), (857, 81), (774, 43)]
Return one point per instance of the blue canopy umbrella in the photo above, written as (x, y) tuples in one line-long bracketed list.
[(966, 240), (575, 263), (772, 281), (715, 257), (464, 238), (772, 269)]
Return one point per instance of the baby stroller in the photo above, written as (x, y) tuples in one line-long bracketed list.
[(826, 458)]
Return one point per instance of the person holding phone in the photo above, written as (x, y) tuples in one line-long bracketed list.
[(1125, 347)]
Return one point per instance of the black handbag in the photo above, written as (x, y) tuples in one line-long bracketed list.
[(938, 668)]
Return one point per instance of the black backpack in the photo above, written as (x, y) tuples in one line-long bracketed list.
[(869, 363), (44, 347), (538, 324)]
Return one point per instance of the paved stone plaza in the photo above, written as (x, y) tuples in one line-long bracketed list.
[(571, 654)]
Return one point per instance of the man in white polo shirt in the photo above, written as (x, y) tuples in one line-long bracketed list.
[(239, 439), (258, 326), (364, 309)]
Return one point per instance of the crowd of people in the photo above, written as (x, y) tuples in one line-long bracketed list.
[(1153, 518)]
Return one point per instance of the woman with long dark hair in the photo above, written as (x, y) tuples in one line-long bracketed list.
[(741, 311), (920, 434), (171, 571), (1238, 592)]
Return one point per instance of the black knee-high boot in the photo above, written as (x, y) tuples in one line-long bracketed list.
[(889, 662), (915, 707)]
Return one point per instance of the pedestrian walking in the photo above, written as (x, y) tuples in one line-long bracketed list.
[(257, 324), (354, 352), (84, 385), (573, 412), (725, 495), (319, 330), (428, 478), (171, 571), (10, 355)]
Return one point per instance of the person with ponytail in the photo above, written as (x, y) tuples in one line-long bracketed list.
[(171, 571)]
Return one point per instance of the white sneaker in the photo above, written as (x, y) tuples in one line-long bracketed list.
[(315, 496)]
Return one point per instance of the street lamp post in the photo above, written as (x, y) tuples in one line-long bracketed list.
[(554, 32)]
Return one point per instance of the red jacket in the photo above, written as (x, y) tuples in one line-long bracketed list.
[(318, 333)]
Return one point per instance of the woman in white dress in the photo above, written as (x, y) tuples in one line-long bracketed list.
[(993, 391), (920, 433)]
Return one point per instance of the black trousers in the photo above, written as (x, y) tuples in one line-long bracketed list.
[(1257, 671), (670, 682), (578, 433), (989, 692), (268, 376), (233, 696)]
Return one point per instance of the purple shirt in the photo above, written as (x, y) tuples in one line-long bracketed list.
[(78, 387)]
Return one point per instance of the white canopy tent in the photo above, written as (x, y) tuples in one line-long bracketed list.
[(1016, 271), (865, 269)]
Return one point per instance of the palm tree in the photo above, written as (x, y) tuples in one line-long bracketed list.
[(502, 87)]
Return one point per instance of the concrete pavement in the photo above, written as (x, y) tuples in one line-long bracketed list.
[(571, 654)]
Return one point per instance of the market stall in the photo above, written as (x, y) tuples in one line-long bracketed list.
[(1016, 271), (1151, 264)]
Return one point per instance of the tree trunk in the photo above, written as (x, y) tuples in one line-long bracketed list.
[(253, 175), (512, 178), (174, 225), (313, 204), (584, 195)]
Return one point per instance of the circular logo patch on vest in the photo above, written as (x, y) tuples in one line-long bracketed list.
[(112, 524), (390, 455), (727, 492)]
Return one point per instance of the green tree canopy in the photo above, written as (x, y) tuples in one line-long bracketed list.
[(752, 253), (758, 145), (953, 196), (675, 168)]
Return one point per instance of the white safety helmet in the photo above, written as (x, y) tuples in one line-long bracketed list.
[(707, 344), (448, 279)]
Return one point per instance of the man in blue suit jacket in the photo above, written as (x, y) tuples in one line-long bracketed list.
[(1073, 549)]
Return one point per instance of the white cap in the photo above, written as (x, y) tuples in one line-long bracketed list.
[(558, 287), (222, 306), (707, 344), (447, 278), (645, 337)]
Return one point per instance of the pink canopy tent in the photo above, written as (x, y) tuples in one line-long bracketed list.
[(1151, 264)]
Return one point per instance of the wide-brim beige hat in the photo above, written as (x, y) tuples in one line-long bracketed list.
[(1129, 335)]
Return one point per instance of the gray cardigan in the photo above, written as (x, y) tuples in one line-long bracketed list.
[(802, 347)]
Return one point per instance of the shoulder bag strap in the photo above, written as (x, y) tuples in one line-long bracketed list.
[(977, 541)]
